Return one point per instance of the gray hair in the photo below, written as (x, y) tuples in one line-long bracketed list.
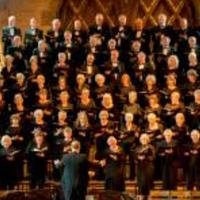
[(5, 137)]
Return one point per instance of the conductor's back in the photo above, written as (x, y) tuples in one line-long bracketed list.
[(75, 175)]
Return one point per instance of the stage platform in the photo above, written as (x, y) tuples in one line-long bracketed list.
[(96, 190)]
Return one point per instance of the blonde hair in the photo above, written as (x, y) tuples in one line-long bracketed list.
[(168, 131), (111, 138)]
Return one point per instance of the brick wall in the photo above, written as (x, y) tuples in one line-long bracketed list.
[(42, 10)]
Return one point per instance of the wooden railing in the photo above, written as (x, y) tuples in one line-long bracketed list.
[(96, 187)]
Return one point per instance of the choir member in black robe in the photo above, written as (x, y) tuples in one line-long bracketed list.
[(154, 105), (133, 106), (61, 86), (44, 55), (89, 69), (192, 63), (16, 132), (80, 39), (17, 51), (100, 89), (66, 105), (181, 135), (172, 108), (38, 124), (129, 139), (21, 85), (193, 46), (148, 89), (9, 72), (87, 104), (170, 86), (80, 85), (132, 55), (192, 153), (168, 150), (181, 130), (58, 133), (191, 84), (69, 48), (124, 88), (104, 128), (61, 68), (9, 161), (8, 33), (34, 87), (100, 29), (160, 30), (83, 132), (44, 102), (122, 33), (33, 69), (37, 153), (113, 69), (112, 45), (128, 133), (144, 160), (140, 70), (193, 111), (55, 35), (173, 67), (67, 140), (141, 34), (108, 104), (114, 166), (182, 35), (32, 36), (62, 138), (79, 34), (161, 57), (153, 128), (95, 48), (19, 108)]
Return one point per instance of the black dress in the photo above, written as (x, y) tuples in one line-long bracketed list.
[(83, 133), (32, 37), (37, 157), (129, 141), (145, 168), (192, 154), (169, 154), (114, 170), (8, 33), (102, 132), (8, 168)]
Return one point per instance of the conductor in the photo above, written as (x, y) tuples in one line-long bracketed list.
[(75, 173)]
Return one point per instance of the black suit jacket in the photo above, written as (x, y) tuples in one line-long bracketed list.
[(75, 176), (33, 39), (51, 39), (7, 37), (104, 32)]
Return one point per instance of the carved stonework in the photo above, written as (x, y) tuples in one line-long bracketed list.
[(147, 9)]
